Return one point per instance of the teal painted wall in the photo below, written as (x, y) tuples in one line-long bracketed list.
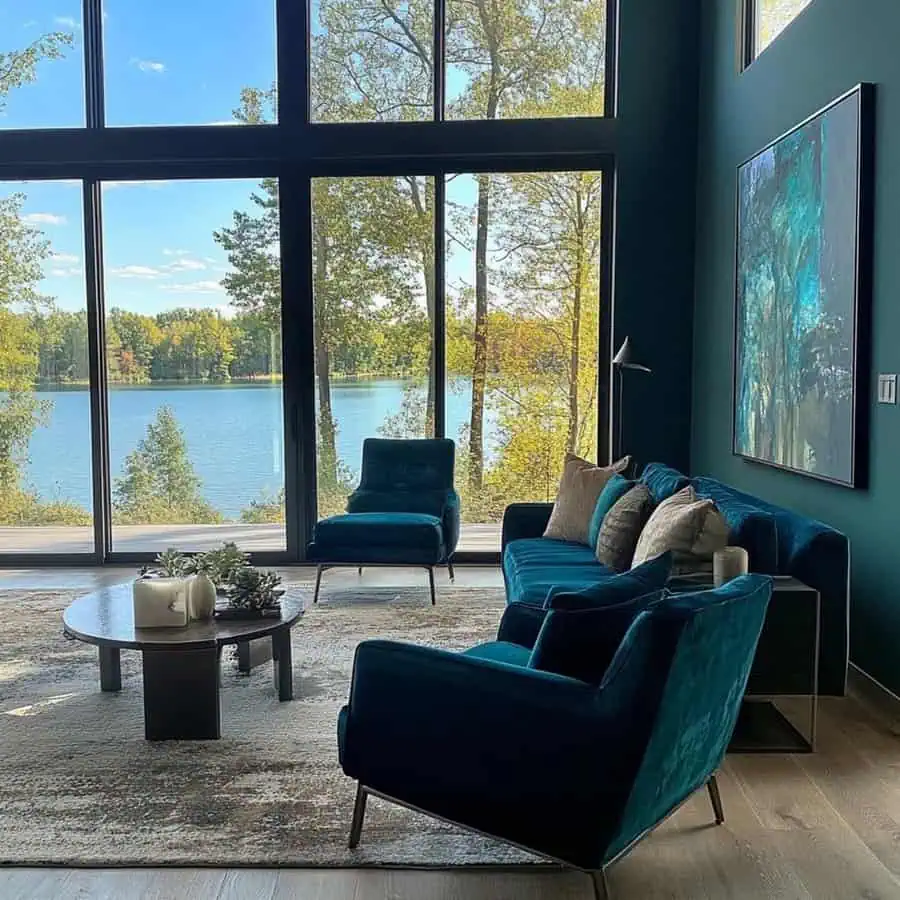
[(831, 47), (656, 150)]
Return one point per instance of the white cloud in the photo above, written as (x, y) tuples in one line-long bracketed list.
[(169, 252), (44, 219), (195, 287), (68, 272), (149, 65), (67, 22), (153, 185), (186, 265), (136, 272), (63, 258)]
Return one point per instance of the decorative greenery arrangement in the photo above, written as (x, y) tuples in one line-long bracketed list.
[(228, 567), (221, 564), (171, 563), (254, 590)]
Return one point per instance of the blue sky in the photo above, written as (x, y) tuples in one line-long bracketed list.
[(159, 250), (167, 62)]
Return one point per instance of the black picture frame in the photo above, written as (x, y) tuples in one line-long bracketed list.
[(860, 345)]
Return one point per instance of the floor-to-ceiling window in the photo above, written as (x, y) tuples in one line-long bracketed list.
[(373, 291), (193, 364), (46, 491), (205, 323), (522, 319)]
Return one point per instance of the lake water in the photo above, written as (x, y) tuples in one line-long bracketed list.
[(234, 434)]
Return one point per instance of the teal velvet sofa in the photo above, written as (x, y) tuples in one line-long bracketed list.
[(577, 770), (780, 542)]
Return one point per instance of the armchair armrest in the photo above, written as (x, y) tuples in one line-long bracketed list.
[(521, 624), (525, 520), (451, 519), (441, 721)]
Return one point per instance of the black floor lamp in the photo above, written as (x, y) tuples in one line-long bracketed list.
[(622, 361)]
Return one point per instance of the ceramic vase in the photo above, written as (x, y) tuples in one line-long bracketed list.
[(203, 597)]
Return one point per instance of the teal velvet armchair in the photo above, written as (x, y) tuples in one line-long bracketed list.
[(405, 511), (573, 771)]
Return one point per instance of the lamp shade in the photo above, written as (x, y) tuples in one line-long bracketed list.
[(624, 359)]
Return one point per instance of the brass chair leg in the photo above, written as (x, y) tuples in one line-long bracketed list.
[(716, 799), (431, 582), (601, 885), (318, 584), (359, 813)]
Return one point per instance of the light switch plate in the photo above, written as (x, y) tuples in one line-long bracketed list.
[(887, 389)]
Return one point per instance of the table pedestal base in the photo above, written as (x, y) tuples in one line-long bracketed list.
[(181, 695)]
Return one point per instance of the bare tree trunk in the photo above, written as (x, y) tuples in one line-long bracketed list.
[(575, 343), (479, 368), (327, 430), (425, 212)]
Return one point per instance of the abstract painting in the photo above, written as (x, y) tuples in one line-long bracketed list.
[(801, 254)]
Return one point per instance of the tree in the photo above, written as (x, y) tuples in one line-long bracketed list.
[(515, 54), (159, 484), (19, 67), (137, 339), (23, 249)]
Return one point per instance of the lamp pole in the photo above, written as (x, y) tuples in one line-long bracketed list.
[(623, 360)]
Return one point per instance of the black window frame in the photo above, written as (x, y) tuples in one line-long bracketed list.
[(748, 31), (294, 150)]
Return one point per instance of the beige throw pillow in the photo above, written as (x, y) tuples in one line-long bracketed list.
[(579, 489), (693, 529)]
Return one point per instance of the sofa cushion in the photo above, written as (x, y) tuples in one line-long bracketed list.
[(579, 489), (582, 643), (362, 536), (615, 588), (751, 527), (614, 489), (532, 566), (663, 481), (622, 528), (691, 527), (501, 651)]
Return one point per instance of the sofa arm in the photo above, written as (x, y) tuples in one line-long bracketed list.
[(521, 624), (525, 520)]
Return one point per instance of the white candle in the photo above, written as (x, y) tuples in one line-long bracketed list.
[(160, 602), (729, 564)]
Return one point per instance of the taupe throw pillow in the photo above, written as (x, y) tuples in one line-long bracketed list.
[(579, 489), (622, 527), (693, 529)]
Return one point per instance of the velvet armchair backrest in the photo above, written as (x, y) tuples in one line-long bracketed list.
[(407, 465), (708, 641)]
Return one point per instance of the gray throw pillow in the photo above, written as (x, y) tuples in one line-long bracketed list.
[(622, 527)]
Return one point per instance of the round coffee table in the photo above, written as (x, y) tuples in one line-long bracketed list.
[(181, 665)]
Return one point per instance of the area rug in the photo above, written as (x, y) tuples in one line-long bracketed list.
[(79, 785)]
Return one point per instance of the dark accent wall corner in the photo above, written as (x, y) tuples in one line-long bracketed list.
[(829, 49), (656, 194)]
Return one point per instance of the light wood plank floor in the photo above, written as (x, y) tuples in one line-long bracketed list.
[(806, 827)]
